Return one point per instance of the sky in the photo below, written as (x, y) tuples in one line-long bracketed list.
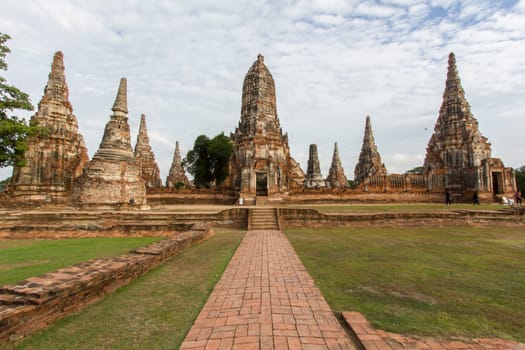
[(333, 61)]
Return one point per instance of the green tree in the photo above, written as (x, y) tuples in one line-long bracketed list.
[(198, 163), (219, 151), (14, 131), (520, 178), (416, 170), (208, 160), (4, 183)]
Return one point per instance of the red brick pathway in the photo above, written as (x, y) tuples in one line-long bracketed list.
[(266, 300)]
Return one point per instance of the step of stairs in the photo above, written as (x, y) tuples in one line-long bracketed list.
[(263, 219)]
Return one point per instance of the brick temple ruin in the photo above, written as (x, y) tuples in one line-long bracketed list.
[(114, 175), (261, 164), (261, 169), (458, 156), (53, 162)]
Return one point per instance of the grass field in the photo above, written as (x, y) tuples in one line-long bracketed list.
[(20, 259), (436, 281), (394, 208), (153, 312)]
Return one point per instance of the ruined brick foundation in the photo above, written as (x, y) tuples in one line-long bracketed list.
[(36, 302)]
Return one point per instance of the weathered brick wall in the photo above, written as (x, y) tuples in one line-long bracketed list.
[(64, 224), (349, 196), (159, 196), (34, 303), (300, 217)]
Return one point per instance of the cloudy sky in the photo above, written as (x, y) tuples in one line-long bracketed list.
[(333, 61)]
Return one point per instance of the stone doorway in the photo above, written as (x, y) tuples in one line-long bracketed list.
[(497, 182), (261, 184)]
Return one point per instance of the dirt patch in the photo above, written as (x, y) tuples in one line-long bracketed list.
[(415, 296), (22, 264)]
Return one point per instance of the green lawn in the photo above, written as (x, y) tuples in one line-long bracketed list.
[(437, 281), (153, 312), (394, 208), (20, 259)]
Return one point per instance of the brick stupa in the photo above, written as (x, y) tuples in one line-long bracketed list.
[(53, 162), (176, 176), (113, 175), (369, 163), (336, 175), (313, 178), (260, 164), (145, 157)]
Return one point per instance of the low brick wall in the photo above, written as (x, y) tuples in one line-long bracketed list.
[(172, 196), (301, 217), (319, 196), (72, 223), (36, 302)]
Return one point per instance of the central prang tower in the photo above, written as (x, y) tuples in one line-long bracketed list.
[(261, 165)]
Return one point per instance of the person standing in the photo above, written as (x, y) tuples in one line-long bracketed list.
[(517, 197), (475, 199), (448, 198)]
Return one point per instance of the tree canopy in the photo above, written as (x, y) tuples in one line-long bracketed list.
[(416, 170), (14, 131), (208, 160)]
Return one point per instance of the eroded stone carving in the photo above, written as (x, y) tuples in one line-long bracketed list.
[(53, 162)]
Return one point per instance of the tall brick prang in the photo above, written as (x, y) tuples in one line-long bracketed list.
[(456, 142), (54, 161), (457, 153), (261, 164)]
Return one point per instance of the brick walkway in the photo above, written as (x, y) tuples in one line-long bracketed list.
[(266, 300)]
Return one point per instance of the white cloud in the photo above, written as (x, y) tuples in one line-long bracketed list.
[(372, 9)]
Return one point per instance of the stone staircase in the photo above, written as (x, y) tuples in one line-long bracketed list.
[(264, 219)]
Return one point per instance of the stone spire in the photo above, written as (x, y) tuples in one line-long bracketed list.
[(113, 176), (144, 154), (369, 163), (56, 88), (120, 107), (456, 142), (53, 162), (336, 175), (116, 141), (176, 174), (259, 107), (313, 178), (261, 163)]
